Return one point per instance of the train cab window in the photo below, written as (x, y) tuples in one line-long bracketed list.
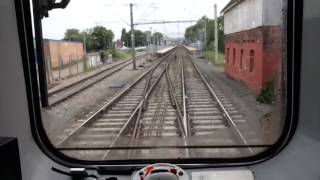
[(144, 81)]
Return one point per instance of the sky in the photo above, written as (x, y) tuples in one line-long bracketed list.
[(115, 15)]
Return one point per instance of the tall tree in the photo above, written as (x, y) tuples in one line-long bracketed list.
[(123, 34), (102, 38), (157, 38), (194, 33), (139, 37), (72, 35), (96, 38)]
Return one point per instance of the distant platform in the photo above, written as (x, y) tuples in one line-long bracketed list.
[(191, 49), (162, 51)]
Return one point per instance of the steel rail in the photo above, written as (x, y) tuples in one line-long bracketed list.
[(177, 107), (182, 128), (88, 85), (186, 122), (136, 110), (93, 75), (145, 98), (108, 104), (221, 106), (137, 127)]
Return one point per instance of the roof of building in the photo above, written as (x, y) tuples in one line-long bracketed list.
[(65, 41), (230, 5)]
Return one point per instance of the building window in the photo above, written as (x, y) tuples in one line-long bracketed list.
[(251, 66), (227, 59), (241, 59), (234, 57)]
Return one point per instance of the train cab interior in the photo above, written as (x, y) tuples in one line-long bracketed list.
[(159, 90)]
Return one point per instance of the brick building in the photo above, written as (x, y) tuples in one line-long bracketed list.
[(253, 41), (56, 50)]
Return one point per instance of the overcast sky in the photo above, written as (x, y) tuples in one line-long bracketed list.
[(115, 14)]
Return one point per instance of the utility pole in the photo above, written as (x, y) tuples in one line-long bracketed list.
[(132, 39), (148, 45), (215, 33), (205, 33)]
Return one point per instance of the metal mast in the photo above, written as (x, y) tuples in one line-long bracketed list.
[(132, 39)]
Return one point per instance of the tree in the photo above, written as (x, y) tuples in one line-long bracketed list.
[(139, 37), (102, 38), (192, 33), (96, 38), (72, 35), (123, 34), (157, 38)]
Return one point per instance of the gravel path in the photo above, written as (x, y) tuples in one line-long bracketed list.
[(258, 114)]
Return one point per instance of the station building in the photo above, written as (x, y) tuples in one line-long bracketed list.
[(60, 51), (253, 41)]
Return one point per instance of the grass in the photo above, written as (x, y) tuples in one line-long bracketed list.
[(267, 94), (122, 56), (210, 55)]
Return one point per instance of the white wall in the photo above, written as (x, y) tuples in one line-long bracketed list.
[(244, 16), (272, 12), (250, 14)]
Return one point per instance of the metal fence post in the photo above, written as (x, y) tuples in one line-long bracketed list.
[(60, 67), (77, 66), (69, 65)]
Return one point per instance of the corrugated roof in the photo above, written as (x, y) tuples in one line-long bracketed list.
[(230, 5)]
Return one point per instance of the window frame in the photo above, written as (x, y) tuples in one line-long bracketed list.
[(291, 66)]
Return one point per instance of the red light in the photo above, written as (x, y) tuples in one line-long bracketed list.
[(173, 170)]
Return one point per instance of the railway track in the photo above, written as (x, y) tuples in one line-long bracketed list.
[(170, 107), (111, 121), (60, 95)]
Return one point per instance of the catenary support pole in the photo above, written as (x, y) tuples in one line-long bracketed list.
[(216, 40), (132, 39)]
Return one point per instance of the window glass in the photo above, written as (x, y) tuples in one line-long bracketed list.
[(241, 59), (151, 79), (251, 67)]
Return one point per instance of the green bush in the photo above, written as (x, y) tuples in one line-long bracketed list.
[(115, 53), (103, 55), (85, 63), (267, 95)]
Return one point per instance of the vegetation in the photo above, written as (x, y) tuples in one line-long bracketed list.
[(267, 94), (139, 37), (210, 55), (100, 38), (196, 32), (121, 55), (156, 38), (96, 38), (103, 55)]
